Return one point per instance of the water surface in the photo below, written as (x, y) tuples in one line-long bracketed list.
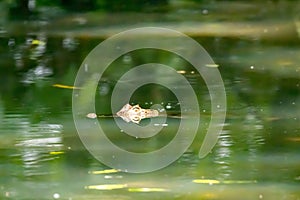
[(257, 155)]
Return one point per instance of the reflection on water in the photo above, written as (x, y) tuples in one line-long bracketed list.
[(256, 46), (223, 155), (34, 144), (248, 143), (40, 156)]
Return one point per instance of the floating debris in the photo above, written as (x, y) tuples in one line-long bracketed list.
[(106, 171), (206, 181), (212, 65), (181, 71), (37, 42), (56, 152), (213, 181), (106, 187), (91, 115), (147, 190), (65, 86)]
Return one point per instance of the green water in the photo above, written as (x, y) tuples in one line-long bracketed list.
[(257, 48)]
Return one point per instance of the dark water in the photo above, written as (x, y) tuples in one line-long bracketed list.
[(257, 48)]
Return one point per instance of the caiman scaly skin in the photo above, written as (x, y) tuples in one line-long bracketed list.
[(135, 113)]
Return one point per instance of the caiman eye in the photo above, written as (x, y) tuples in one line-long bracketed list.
[(136, 109), (135, 119)]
